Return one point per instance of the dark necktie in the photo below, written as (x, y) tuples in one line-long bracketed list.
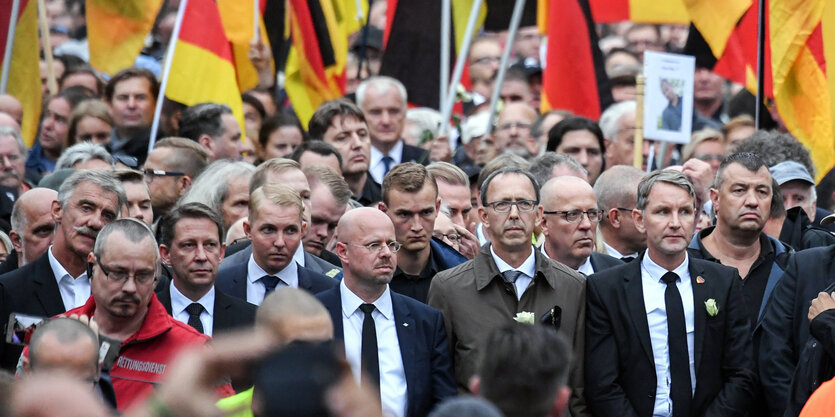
[(270, 282), (511, 275), (369, 352), (194, 310), (387, 162), (680, 389), (627, 259)]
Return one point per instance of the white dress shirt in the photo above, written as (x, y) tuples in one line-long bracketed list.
[(392, 375), (179, 302), (653, 290), (585, 269), (615, 254), (528, 269), (255, 288), (298, 255), (377, 168), (74, 290)]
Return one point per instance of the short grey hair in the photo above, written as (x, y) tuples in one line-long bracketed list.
[(381, 83), (616, 187), (543, 165), (9, 131), (610, 118), (424, 119), (508, 171), (668, 176), (212, 186), (82, 152), (106, 180), (136, 231)]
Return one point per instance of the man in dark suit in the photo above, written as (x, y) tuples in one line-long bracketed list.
[(191, 244), (383, 101), (667, 335), (392, 342), (57, 281), (569, 222), (275, 226)]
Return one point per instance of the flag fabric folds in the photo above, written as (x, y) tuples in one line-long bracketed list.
[(574, 77), (24, 79), (116, 31), (800, 87), (202, 68), (641, 11)]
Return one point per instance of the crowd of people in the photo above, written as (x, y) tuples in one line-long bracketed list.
[(369, 264)]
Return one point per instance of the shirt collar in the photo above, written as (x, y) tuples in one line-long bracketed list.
[(298, 255), (614, 252), (586, 268), (656, 271), (58, 270), (179, 302), (528, 267), (351, 302), (395, 153), (290, 273)]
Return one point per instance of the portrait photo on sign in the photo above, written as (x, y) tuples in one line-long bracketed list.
[(668, 97)]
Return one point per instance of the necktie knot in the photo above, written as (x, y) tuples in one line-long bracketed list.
[(669, 278), (367, 308), (194, 309), (270, 282), (627, 259), (511, 275)]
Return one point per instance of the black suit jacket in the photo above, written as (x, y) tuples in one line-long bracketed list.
[(232, 280), (620, 370), (414, 154), (602, 261), (230, 312), (30, 289), (423, 347)]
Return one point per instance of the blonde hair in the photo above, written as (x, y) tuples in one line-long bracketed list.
[(277, 194)]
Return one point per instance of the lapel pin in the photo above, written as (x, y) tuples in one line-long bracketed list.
[(700, 280), (405, 324)]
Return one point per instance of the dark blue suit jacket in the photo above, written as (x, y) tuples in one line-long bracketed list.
[(423, 347), (232, 280)]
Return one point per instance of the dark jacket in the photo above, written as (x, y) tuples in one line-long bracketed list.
[(232, 280), (601, 261), (799, 233)]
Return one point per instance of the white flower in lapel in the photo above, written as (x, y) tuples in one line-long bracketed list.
[(711, 307), (525, 317)]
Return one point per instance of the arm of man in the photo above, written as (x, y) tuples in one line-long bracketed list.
[(577, 401), (822, 321), (603, 393), (443, 380), (776, 356), (737, 393)]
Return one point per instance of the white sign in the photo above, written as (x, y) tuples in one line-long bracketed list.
[(668, 96)]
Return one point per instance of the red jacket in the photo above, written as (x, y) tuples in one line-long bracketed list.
[(145, 356)]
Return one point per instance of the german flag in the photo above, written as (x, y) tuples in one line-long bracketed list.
[(641, 11), (202, 68), (799, 76), (24, 83), (315, 69), (238, 19), (116, 31), (574, 77)]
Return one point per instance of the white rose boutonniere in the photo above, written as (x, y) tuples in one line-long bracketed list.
[(711, 307), (525, 317)]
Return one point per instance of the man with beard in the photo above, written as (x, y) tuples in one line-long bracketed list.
[(58, 280), (513, 130)]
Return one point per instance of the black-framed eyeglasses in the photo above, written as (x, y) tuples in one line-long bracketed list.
[(506, 206), (574, 216), (121, 277), (452, 237), (150, 174), (377, 247)]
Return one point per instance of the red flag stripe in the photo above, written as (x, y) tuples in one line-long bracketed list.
[(199, 15), (303, 28)]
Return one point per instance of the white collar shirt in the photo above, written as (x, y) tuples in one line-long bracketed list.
[(377, 168), (74, 290), (255, 288), (179, 302), (528, 269)]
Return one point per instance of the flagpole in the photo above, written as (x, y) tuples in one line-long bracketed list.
[(760, 63), (446, 106), (7, 58), (256, 12), (169, 58), (446, 23), (51, 84), (497, 86)]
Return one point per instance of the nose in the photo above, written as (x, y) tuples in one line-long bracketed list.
[(385, 117), (97, 221), (129, 286), (131, 101), (585, 223), (7, 163), (414, 223), (135, 211), (583, 158), (279, 241), (200, 253)]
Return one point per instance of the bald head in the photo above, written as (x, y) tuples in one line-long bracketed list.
[(7, 120), (570, 220), (291, 314), (618, 187), (564, 187), (55, 394), (32, 224), (355, 223), (11, 106)]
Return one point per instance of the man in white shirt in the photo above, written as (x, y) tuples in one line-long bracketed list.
[(392, 342), (191, 243), (667, 335)]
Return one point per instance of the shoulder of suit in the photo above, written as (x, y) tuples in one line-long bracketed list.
[(23, 274), (413, 304), (564, 271)]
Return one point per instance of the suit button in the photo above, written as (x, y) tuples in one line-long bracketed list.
[(652, 395)]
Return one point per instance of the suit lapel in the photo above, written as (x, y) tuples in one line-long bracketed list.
[(221, 318), (46, 287), (701, 291), (336, 313), (637, 309), (305, 282), (406, 338), (239, 281), (164, 297)]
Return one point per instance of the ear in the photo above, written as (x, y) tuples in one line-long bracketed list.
[(247, 229), (714, 197), (437, 205), (165, 254), (382, 207), (475, 384), (18, 247), (539, 216), (482, 215), (183, 183), (304, 227), (91, 258), (613, 217), (543, 224), (342, 252), (608, 146), (207, 142), (56, 211), (222, 251), (638, 217)]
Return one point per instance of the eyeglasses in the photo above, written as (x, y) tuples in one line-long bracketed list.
[(150, 174), (574, 216), (487, 60), (506, 206), (517, 125), (121, 277), (377, 247), (452, 237)]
